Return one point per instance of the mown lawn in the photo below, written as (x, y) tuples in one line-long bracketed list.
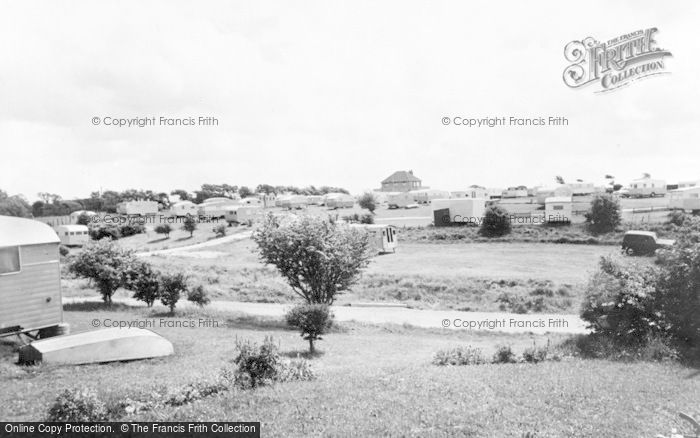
[(372, 381)]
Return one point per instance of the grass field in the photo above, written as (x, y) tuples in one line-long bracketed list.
[(372, 381)]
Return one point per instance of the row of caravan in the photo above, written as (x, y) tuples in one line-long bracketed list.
[(471, 211), (331, 200)]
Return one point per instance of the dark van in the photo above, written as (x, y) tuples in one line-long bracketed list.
[(643, 243)]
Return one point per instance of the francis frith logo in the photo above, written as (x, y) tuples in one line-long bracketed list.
[(614, 63)]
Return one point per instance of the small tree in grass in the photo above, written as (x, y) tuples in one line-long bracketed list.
[(313, 320), (604, 214), (368, 201), (317, 257), (172, 286), (190, 224), (107, 265), (198, 296), (219, 230), (164, 229), (146, 285), (496, 222)]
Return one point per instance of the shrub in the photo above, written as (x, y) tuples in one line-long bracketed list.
[(604, 214), (172, 287), (83, 219), (367, 219), (318, 258), (77, 405), (190, 224), (131, 229), (63, 250), (102, 231), (219, 230), (147, 284), (107, 265), (198, 296), (535, 354), (676, 217), (257, 365), (368, 201), (459, 356), (496, 222), (313, 320), (164, 229), (504, 354)]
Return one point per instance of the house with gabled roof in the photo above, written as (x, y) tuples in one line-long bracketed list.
[(402, 181)]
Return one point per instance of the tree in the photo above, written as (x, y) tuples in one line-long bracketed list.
[(604, 214), (313, 320), (108, 265), (318, 258), (190, 224), (245, 192), (14, 206), (146, 285), (164, 229), (83, 219), (368, 201), (496, 222), (183, 194), (172, 287)]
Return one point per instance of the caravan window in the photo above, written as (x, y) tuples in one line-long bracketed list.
[(9, 260)]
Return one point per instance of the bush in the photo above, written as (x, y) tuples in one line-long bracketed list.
[(193, 392), (77, 405), (164, 229), (676, 217), (257, 365), (219, 230), (102, 231), (313, 320), (496, 222), (172, 287), (63, 250), (198, 296), (83, 219), (604, 214), (367, 219), (619, 302), (535, 354), (504, 354), (318, 258), (146, 285), (459, 356), (107, 265), (131, 229), (368, 201)]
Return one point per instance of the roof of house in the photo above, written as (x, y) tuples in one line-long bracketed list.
[(557, 199), (15, 231), (401, 176)]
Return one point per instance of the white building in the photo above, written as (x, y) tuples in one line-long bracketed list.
[(687, 198), (138, 208), (458, 211), (558, 209)]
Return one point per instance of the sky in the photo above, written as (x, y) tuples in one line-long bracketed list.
[(339, 93)]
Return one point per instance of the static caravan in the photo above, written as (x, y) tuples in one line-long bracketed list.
[(559, 190), (30, 288), (558, 209), (494, 193), (315, 200), (685, 184), (298, 202), (458, 211), (183, 208), (73, 235), (424, 196), (383, 236), (582, 188), (687, 199), (515, 192), (216, 207), (138, 208), (647, 187), (243, 214), (400, 200), (339, 200)]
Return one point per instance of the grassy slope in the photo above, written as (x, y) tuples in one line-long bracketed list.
[(375, 381)]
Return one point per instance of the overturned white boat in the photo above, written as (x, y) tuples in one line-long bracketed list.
[(107, 345)]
